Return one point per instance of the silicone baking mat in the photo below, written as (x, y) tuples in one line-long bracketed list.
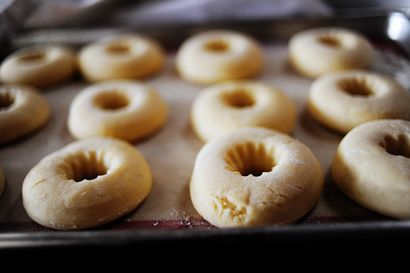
[(171, 152)]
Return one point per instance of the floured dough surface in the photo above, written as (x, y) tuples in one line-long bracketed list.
[(255, 176), (372, 166), (86, 184), (169, 206)]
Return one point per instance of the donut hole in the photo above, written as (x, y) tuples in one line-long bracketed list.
[(85, 166), (217, 46), (330, 41), (34, 56), (111, 100), (118, 48), (239, 98), (249, 159), (398, 146), (6, 100), (356, 87)]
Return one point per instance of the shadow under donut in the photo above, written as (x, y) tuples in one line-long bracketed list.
[(316, 128)]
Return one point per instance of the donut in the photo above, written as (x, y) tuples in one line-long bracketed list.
[(342, 100), (372, 167), (215, 56), (315, 52), (253, 177), (85, 184), (38, 65), (227, 106), (22, 110), (121, 109), (125, 56), (2, 181)]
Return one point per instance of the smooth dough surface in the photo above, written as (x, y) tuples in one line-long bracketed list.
[(253, 177), (345, 99), (86, 184), (22, 110), (126, 56), (372, 167), (38, 65), (122, 109), (315, 52), (227, 106), (214, 56)]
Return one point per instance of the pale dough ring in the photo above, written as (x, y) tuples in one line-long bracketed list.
[(215, 56), (86, 184), (121, 109), (253, 177), (22, 110), (372, 166), (38, 65), (345, 99), (227, 106), (317, 51), (125, 56)]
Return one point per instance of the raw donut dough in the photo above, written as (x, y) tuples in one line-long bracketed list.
[(227, 106), (345, 99), (121, 109), (124, 56), (255, 176), (86, 184), (214, 56), (317, 51), (38, 65), (22, 110), (372, 166)]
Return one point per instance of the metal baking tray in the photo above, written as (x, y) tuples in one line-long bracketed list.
[(390, 33)]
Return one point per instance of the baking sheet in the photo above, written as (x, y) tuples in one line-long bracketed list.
[(172, 151)]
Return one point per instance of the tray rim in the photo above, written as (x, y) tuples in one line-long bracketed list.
[(254, 25), (290, 233), (365, 231)]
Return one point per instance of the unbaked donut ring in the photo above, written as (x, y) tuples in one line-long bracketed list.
[(255, 176), (38, 65), (22, 110), (345, 99), (227, 106), (215, 56), (317, 51), (121, 109), (124, 56), (86, 184), (372, 166)]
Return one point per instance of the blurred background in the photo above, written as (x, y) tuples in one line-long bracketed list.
[(163, 18), (28, 14)]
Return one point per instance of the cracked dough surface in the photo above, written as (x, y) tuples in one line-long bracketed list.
[(169, 200), (255, 176)]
